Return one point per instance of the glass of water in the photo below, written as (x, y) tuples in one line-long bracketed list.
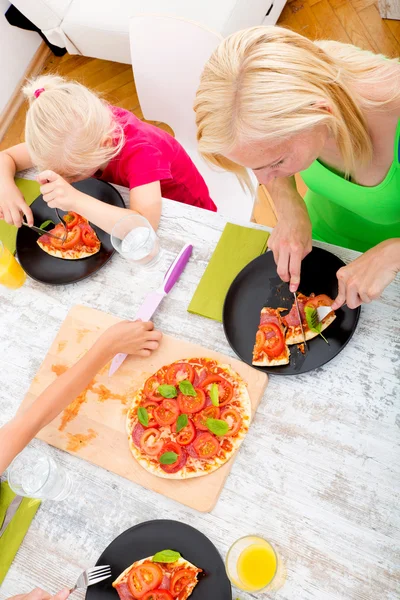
[(35, 474), (135, 239)]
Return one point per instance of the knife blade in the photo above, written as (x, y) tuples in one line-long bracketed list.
[(11, 510), (300, 321), (153, 300), (41, 231)]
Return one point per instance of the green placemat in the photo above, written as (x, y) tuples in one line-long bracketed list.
[(8, 233), (15, 531), (236, 248)]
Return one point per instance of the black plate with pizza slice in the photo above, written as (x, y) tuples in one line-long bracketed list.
[(45, 268), (258, 285), (149, 538)]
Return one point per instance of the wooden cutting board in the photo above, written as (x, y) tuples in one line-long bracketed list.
[(97, 433)]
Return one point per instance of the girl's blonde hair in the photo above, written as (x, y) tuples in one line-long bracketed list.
[(68, 128), (269, 83)]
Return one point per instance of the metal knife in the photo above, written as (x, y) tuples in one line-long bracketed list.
[(300, 321), (11, 510), (323, 311), (41, 231), (152, 300)]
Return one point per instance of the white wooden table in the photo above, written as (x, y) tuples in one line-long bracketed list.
[(318, 474)]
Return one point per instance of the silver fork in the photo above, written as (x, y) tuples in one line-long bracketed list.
[(92, 576), (63, 222)]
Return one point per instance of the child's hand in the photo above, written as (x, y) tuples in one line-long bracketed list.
[(57, 192), (13, 205), (132, 337)]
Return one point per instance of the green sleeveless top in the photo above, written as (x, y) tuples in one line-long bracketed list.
[(350, 215)]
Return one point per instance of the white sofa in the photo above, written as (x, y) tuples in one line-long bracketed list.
[(100, 28)]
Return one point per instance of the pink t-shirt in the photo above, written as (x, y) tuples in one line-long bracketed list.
[(151, 154)]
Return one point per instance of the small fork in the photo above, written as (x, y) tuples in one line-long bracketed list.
[(92, 576), (63, 222)]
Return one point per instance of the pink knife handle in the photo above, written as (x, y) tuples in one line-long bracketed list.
[(177, 267)]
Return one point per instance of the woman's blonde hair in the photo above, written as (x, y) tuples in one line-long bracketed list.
[(68, 128), (269, 83)]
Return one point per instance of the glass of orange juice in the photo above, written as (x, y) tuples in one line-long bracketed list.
[(12, 274), (252, 563)]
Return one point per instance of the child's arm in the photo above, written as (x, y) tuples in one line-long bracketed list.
[(58, 193), (12, 203), (135, 338)]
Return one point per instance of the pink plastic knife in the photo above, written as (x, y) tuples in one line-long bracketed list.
[(152, 300)]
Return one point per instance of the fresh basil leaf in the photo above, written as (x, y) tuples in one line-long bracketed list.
[(143, 416), (166, 556), (167, 391), (181, 422), (46, 223), (187, 388), (214, 394), (313, 321), (217, 426), (168, 458)]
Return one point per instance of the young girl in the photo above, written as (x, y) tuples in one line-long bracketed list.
[(72, 134)]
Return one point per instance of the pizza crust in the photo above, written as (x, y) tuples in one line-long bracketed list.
[(272, 362), (294, 335), (67, 254), (193, 467)]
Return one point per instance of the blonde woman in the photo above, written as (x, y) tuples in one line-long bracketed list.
[(72, 134), (277, 103)]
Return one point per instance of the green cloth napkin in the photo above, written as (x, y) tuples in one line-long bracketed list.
[(15, 531), (8, 233), (236, 248)]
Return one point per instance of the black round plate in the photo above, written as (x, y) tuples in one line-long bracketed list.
[(259, 285), (146, 539), (56, 271)]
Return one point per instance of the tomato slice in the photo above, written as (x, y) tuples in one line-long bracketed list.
[(180, 461), (150, 442), (321, 300), (186, 435), (150, 389), (233, 418), (200, 419), (73, 237), (144, 578), (89, 237), (150, 405), (71, 219), (192, 404), (260, 341), (274, 341), (180, 372), (167, 412), (158, 595), (206, 445), (225, 389), (180, 579)]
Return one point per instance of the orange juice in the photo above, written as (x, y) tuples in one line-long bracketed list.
[(12, 274), (256, 566)]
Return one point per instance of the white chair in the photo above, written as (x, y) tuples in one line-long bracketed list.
[(168, 55)]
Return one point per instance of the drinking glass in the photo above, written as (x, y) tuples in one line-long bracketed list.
[(135, 239), (36, 475), (252, 564), (12, 274)]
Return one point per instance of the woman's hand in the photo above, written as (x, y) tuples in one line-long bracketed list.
[(57, 192), (39, 594), (364, 279), (290, 242), (132, 337), (13, 205)]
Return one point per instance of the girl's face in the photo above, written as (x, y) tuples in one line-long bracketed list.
[(271, 159)]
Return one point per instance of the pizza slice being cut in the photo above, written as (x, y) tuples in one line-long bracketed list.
[(150, 579), (270, 349), (291, 320), (81, 241)]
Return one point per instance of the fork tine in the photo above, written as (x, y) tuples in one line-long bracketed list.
[(104, 572), (98, 579), (94, 570)]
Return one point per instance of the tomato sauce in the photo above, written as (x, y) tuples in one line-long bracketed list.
[(80, 440)]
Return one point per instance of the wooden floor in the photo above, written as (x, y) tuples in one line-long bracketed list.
[(352, 21)]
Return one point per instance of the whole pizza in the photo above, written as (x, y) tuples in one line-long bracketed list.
[(189, 418), (81, 240)]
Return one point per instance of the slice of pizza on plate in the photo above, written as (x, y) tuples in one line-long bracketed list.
[(81, 241), (270, 349), (306, 305), (164, 576)]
